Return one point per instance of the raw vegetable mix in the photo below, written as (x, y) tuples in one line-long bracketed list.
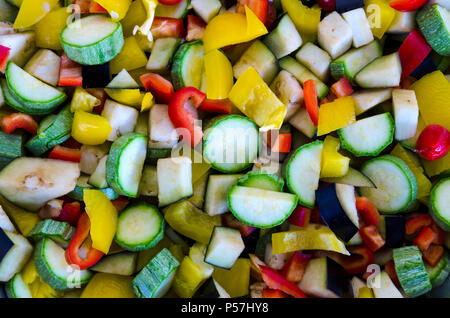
[(223, 149)]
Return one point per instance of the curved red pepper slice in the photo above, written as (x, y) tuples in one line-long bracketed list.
[(412, 52), (72, 252), (407, 5), (169, 2), (311, 102), (182, 118), (161, 88), (273, 293), (357, 262), (70, 213), (66, 154), (418, 222), (220, 106), (259, 8), (371, 237), (18, 120), (367, 211), (275, 280)]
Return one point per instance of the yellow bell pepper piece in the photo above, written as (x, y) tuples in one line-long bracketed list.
[(335, 115), (82, 100), (236, 280), (128, 96), (219, 75), (136, 15), (306, 20), (333, 164), (311, 237), (103, 217), (423, 183), (130, 58), (147, 102), (117, 8), (188, 278), (186, 219), (380, 16), (232, 28), (32, 11), (90, 129), (37, 287), (256, 100), (104, 285), (50, 27), (146, 256), (144, 29), (24, 220), (365, 292)]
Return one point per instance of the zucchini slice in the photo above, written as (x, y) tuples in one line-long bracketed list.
[(434, 22), (16, 288), (440, 210), (188, 65), (60, 232)]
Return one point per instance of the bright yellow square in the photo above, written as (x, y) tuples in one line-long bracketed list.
[(335, 115)]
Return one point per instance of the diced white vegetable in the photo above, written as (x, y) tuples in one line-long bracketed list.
[(45, 66), (22, 46), (276, 261), (406, 113), (357, 20), (315, 59), (162, 130), (289, 91), (122, 118), (368, 98), (404, 22), (335, 35), (5, 222)]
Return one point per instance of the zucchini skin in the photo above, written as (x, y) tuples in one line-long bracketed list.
[(433, 28), (178, 62), (440, 220)]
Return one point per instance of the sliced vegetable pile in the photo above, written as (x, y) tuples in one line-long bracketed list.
[(209, 148)]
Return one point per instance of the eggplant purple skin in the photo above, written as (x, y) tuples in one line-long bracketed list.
[(348, 5), (333, 214), (96, 75), (395, 230), (336, 278), (5, 244)]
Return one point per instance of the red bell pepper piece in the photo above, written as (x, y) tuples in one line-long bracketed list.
[(70, 73), (101, 95), (367, 211), (72, 252), (182, 118), (407, 82), (66, 154), (371, 237), (440, 234), (18, 120), (407, 5), (220, 106), (433, 142), (259, 8), (412, 52), (70, 213), (271, 15), (195, 28), (425, 238), (4, 55), (161, 88), (357, 262), (316, 217), (230, 221), (273, 293), (96, 8), (282, 143), (433, 255), (342, 88), (167, 28), (71, 143), (300, 216), (295, 267), (120, 203), (169, 2), (416, 223), (327, 5), (275, 280), (311, 102), (390, 270)]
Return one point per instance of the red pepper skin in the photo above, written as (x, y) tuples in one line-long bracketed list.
[(84, 5), (259, 8), (361, 257), (161, 88), (271, 15), (407, 5), (371, 237), (96, 8), (66, 154), (282, 143), (300, 217), (71, 143), (220, 106), (183, 118), (407, 82), (120, 203), (342, 88), (273, 293), (195, 28), (70, 213), (367, 211), (18, 120), (327, 5), (412, 52), (433, 142), (295, 267), (416, 223), (4, 55), (390, 270), (167, 28), (433, 255), (230, 221), (275, 280), (101, 95), (72, 252), (425, 238), (440, 234), (169, 2), (311, 102), (70, 73)]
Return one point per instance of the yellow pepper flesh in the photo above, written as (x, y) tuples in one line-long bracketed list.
[(116, 8), (82, 100), (335, 115), (32, 11), (311, 237), (380, 16), (235, 281), (136, 15), (130, 58), (147, 102), (219, 75), (38, 288), (128, 96), (365, 292), (232, 28), (256, 100), (104, 285), (24, 220), (333, 164), (50, 27), (306, 20), (90, 129), (188, 278), (103, 217)]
